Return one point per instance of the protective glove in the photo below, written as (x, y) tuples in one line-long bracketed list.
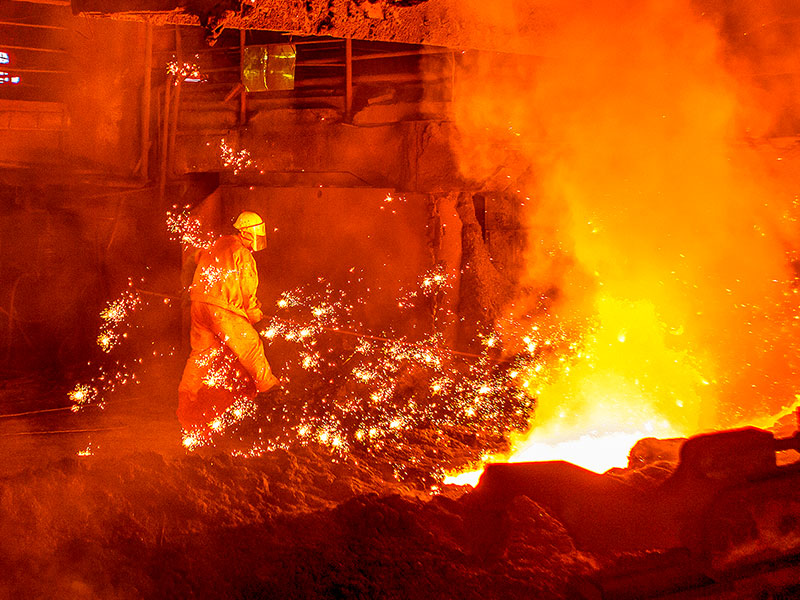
[(254, 315), (261, 325)]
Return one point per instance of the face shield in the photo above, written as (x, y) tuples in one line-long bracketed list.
[(257, 236), (252, 229)]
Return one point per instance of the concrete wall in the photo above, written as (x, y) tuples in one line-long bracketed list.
[(351, 237), (414, 156), (103, 97), (77, 107), (32, 131), (64, 254)]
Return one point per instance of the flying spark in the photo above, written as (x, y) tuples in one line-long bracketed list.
[(189, 72)]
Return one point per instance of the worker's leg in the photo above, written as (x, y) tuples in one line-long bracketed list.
[(243, 339), (204, 343)]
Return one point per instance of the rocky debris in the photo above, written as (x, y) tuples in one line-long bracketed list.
[(649, 451), (288, 525), (306, 523), (650, 462)]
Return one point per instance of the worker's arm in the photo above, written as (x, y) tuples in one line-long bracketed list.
[(248, 282)]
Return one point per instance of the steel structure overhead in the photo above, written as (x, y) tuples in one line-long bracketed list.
[(449, 23), (516, 26)]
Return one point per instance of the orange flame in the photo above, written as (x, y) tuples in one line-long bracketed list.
[(650, 214)]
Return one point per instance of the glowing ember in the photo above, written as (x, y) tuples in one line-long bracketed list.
[(465, 478), (212, 276), (86, 451), (118, 321), (208, 435), (189, 72), (235, 160), (389, 198), (115, 316), (358, 394), (82, 395), (187, 229)]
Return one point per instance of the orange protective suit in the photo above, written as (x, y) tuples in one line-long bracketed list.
[(224, 308)]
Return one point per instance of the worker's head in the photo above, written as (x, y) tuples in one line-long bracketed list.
[(252, 230)]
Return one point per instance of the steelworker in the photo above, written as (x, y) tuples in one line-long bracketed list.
[(224, 309)]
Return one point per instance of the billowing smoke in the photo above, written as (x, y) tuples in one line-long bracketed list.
[(654, 208)]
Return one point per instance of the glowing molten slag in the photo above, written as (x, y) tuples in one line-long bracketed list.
[(594, 451), (651, 210), (630, 380)]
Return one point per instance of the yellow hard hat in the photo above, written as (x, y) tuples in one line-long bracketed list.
[(247, 219)]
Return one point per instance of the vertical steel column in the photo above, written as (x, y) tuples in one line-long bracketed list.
[(177, 99), (147, 90), (348, 79), (243, 92), (164, 141)]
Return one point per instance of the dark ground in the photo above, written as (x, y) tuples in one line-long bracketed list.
[(142, 517)]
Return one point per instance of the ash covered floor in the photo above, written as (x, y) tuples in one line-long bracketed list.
[(114, 506)]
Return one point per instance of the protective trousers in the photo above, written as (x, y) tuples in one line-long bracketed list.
[(211, 327)]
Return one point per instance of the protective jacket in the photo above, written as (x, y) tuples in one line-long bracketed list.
[(224, 307), (226, 276)]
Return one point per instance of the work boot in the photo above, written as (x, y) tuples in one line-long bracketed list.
[(270, 383)]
